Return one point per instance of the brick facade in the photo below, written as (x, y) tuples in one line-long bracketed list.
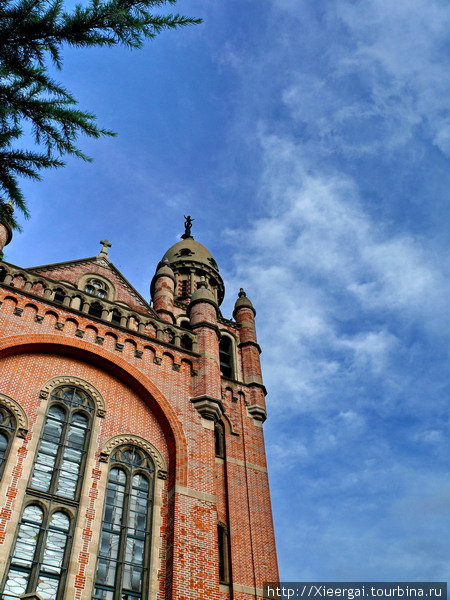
[(154, 375)]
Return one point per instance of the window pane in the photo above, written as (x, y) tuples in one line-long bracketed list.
[(54, 552), (47, 587), (80, 420), (106, 571), (56, 412), (134, 551), (100, 594), (15, 585), (132, 578), (33, 514), (60, 520), (25, 545), (109, 545)]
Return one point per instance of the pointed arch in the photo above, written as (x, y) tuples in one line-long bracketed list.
[(127, 373), (55, 382)]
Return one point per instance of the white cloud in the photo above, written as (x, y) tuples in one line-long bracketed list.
[(332, 284)]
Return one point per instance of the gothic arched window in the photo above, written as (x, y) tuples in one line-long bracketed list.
[(7, 429), (96, 287), (62, 449), (39, 559), (226, 356), (122, 566)]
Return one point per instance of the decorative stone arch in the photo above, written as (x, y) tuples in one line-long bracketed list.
[(55, 382), (126, 372), (135, 440), (111, 290), (19, 414)]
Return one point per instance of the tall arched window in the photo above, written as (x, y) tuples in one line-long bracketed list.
[(122, 567), (7, 428), (62, 449), (226, 357), (39, 559)]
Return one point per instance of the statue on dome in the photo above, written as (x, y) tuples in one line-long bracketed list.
[(187, 227)]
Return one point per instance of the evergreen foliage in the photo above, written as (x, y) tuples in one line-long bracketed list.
[(32, 34)]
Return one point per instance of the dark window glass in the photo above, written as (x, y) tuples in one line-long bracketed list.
[(122, 567), (222, 535), (115, 317), (95, 309), (219, 440), (226, 358), (59, 296), (186, 342), (184, 287)]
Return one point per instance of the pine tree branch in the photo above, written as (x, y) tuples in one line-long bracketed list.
[(35, 31)]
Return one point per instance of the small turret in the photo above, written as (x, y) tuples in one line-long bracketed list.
[(6, 211), (244, 314)]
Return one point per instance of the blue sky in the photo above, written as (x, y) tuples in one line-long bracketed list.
[(310, 140)]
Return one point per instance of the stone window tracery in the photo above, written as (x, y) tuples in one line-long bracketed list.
[(122, 566)]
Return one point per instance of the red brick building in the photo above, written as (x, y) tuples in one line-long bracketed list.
[(131, 440)]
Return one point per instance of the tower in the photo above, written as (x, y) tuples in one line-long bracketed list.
[(132, 462)]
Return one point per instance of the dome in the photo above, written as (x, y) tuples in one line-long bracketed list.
[(191, 263), (190, 251)]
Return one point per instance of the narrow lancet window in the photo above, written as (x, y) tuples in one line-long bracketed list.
[(226, 357), (122, 567)]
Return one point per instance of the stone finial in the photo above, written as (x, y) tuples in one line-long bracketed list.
[(105, 245), (243, 302)]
